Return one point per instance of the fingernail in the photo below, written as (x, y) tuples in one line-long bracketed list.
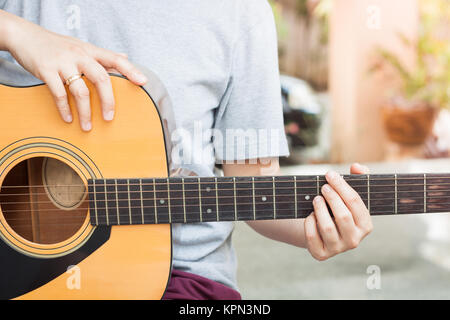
[(68, 118), (109, 115), (141, 78), (317, 199), (332, 175), (326, 188), (358, 165), (87, 126)]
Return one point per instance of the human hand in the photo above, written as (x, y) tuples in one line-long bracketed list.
[(54, 58), (327, 236)]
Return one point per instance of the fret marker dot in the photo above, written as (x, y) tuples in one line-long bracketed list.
[(161, 201), (208, 210), (208, 189), (264, 198), (307, 197)]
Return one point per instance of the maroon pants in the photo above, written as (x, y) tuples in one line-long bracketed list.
[(188, 286)]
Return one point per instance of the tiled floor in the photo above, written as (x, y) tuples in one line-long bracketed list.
[(411, 265)]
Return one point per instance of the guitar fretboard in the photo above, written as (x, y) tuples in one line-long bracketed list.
[(191, 200)]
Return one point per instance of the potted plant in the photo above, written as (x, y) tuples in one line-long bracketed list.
[(411, 110)]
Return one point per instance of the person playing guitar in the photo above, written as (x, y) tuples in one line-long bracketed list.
[(219, 62)]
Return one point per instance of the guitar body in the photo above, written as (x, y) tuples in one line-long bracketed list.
[(48, 248)]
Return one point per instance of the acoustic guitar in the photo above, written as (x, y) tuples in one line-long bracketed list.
[(88, 215)]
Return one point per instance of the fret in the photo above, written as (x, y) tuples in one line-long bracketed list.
[(106, 203), (111, 202), (306, 190), (226, 199), (176, 203), (192, 200), (208, 202), (274, 199), (295, 197), (234, 196), (162, 200), (149, 201), (155, 206), (123, 200), (168, 200), (318, 185), (217, 199), (200, 199), (410, 194), (437, 193), (100, 209), (253, 198), (155, 201), (285, 197), (244, 199), (142, 201), (368, 192), (396, 196), (184, 202), (362, 185), (425, 193), (382, 199), (129, 201), (264, 198), (134, 201), (117, 202)]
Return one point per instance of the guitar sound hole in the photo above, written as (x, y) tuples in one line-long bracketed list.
[(43, 200)]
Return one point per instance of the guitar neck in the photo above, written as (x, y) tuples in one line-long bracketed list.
[(208, 199)]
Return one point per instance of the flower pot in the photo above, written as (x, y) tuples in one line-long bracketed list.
[(408, 123)]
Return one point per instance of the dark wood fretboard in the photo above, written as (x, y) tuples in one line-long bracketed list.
[(190, 200)]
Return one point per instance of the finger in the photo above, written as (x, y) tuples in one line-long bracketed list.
[(342, 216), (326, 226), (59, 93), (313, 240), (122, 64), (357, 168), (100, 78), (350, 197), (80, 93), (112, 70)]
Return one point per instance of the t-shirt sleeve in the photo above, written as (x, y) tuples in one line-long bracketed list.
[(249, 120)]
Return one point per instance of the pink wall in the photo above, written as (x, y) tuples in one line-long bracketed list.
[(357, 27)]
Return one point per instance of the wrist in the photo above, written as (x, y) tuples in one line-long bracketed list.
[(300, 234)]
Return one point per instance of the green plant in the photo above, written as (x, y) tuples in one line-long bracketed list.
[(429, 80), (282, 28), (307, 9)]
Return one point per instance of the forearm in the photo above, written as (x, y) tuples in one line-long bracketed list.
[(8, 23), (287, 231)]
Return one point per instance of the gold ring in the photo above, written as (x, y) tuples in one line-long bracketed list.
[(72, 79)]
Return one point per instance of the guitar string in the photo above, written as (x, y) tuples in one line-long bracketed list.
[(138, 192), (128, 208), (57, 221), (113, 199), (299, 180), (428, 185)]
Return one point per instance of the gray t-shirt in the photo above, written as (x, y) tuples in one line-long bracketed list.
[(218, 61)]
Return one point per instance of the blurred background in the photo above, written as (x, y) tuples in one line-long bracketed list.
[(362, 81)]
